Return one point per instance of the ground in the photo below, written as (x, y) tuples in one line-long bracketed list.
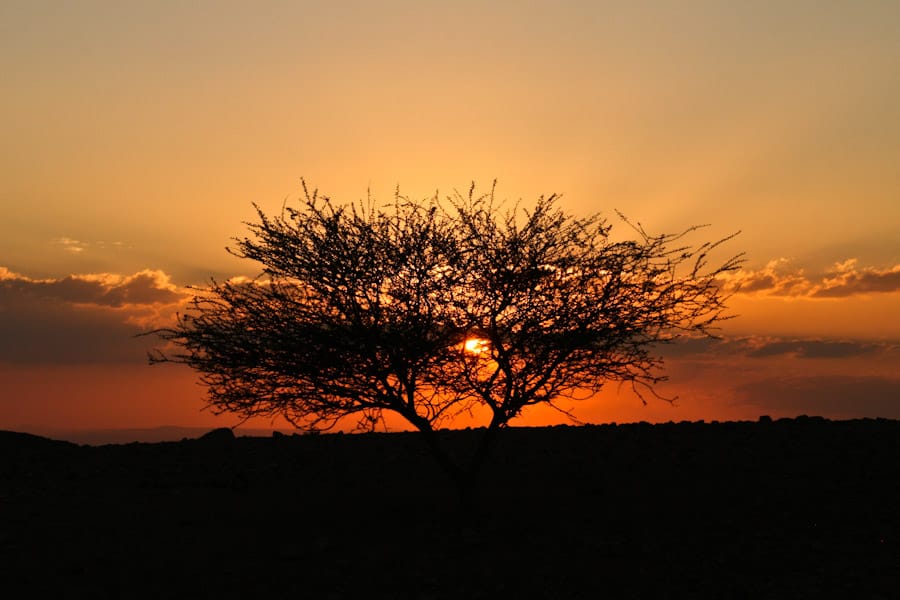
[(792, 508)]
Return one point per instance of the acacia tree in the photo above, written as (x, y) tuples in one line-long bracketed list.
[(428, 311)]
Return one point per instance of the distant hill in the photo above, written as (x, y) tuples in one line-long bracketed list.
[(166, 433)]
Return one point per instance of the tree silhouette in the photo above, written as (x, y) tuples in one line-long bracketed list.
[(430, 310)]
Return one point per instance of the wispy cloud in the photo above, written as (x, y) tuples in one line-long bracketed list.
[(73, 246), (843, 279), (70, 245)]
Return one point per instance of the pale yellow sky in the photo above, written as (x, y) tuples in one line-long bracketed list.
[(155, 125)]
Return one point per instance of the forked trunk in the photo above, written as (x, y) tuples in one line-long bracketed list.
[(466, 475)]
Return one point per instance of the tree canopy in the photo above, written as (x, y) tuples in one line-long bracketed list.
[(430, 309)]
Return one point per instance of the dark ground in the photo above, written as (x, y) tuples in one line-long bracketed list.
[(803, 508)]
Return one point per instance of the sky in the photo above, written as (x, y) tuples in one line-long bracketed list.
[(136, 136)]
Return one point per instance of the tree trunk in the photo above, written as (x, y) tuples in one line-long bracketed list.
[(466, 476)]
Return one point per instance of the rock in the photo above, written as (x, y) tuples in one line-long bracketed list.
[(222, 435)]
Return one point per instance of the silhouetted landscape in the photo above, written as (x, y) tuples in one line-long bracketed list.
[(790, 508)]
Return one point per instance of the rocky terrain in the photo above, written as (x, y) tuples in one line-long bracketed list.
[(792, 508)]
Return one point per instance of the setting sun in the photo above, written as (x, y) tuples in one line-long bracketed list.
[(476, 345)]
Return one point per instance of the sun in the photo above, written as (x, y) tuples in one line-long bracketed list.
[(476, 345)]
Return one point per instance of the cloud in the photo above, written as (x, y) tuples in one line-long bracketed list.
[(83, 319), (74, 246), (843, 396), (815, 349), (71, 245), (783, 376), (765, 347), (104, 289), (842, 280), (847, 280)]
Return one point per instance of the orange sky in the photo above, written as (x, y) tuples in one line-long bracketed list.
[(135, 137)]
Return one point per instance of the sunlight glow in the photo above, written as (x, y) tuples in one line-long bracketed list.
[(476, 345)]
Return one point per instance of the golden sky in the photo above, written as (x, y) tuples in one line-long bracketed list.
[(134, 137)]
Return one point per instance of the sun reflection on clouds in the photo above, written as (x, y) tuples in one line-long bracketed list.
[(843, 279), (147, 298)]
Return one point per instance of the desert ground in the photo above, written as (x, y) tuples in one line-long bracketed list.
[(790, 508)]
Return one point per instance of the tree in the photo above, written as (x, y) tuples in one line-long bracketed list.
[(430, 310)]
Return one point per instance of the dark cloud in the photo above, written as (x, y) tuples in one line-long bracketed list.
[(145, 287), (687, 347), (771, 280), (82, 319), (842, 280), (815, 349), (847, 280), (757, 282), (831, 395), (764, 347), (48, 332)]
